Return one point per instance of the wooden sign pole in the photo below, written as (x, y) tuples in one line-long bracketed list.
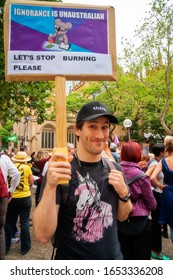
[(61, 130)]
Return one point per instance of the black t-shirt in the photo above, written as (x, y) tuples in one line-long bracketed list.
[(87, 226)]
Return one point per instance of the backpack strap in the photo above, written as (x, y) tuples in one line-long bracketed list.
[(136, 177), (111, 164), (115, 165), (19, 166)]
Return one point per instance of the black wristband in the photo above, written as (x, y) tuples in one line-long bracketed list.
[(126, 198)]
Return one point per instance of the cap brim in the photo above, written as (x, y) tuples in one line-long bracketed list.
[(110, 117)]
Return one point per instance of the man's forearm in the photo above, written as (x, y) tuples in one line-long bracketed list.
[(45, 216)]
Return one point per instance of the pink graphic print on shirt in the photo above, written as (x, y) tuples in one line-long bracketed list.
[(92, 214)]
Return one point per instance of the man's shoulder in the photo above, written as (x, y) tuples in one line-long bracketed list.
[(152, 162), (5, 161), (4, 157), (111, 164)]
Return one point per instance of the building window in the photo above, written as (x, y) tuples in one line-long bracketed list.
[(71, 138), (47, 137)]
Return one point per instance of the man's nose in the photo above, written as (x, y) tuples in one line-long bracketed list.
[(100, 133)]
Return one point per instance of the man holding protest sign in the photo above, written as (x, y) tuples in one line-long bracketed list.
[(84, 212)]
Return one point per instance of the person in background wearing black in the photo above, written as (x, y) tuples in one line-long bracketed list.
[(158, 150), (40, 160)]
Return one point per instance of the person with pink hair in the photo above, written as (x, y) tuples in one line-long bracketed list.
[(135, 234)]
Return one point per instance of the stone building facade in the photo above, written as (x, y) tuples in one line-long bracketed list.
[(39, 136)]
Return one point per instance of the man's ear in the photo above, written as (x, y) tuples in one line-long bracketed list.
[(77, 131)]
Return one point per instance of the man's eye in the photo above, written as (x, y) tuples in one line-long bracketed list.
[(92, 126)]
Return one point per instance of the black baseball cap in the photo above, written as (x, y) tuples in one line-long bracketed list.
[(93, 110)]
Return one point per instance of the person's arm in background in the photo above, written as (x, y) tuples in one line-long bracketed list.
[(154, 175), (31, 179), (14, 174), (150, 170)]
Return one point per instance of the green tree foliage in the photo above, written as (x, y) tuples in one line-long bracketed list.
[(74, 102), (150, 60), (144, 91), (4, 132), (21, 98)]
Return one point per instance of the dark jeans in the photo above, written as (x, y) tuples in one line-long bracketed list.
[(18, 207), (3, 210), (156, 227), (37, 193), (137, 246)]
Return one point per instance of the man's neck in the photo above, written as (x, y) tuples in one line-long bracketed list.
[(88, 157)]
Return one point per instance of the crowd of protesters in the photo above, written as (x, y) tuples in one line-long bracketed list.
[(149, 179), (17, 169)]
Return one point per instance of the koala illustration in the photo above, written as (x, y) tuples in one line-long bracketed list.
[(60, 37)]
